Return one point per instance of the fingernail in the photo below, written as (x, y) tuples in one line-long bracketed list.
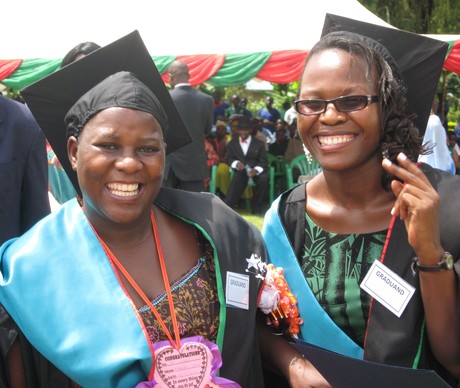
[(386, 162), (402, 156), (392, 211)]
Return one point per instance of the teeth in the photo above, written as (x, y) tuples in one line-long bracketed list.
[(332, 140), (123, 190)]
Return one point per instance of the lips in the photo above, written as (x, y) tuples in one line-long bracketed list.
[(334, 140), (123, 189)]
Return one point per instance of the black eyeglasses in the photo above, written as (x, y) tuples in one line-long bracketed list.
[(317, 106)]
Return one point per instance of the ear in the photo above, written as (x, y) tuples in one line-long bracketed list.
[(72, 148)]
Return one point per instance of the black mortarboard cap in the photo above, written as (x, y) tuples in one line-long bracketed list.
[(420, 60), (50, 98)]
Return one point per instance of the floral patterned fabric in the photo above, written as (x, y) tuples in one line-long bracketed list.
[(195, 302)]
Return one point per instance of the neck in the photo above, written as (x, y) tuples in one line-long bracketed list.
[(123, 235), (349, 204), (353, 190)]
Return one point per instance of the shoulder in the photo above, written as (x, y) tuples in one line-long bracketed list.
[(51, 228), (232, 143), (294, 196), (14, 112), (205, 97), (257, 142), (437, 177), (447, 185), (206, 209)]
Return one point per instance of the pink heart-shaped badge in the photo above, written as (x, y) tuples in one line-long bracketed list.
[(187, 367)]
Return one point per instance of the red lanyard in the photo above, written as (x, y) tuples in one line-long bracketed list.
[(387, 239), (382, 259), (164, 274)]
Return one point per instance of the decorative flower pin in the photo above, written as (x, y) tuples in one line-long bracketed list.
[(276, 300)]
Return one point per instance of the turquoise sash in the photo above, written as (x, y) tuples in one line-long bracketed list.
[(60, 262), (318, 328)]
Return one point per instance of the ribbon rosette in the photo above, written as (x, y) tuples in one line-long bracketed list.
[(278, 302)]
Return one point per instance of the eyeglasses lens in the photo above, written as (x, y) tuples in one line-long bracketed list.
[(342, 104), (351, 103)]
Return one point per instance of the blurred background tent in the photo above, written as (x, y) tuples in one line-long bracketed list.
[(223, 44)]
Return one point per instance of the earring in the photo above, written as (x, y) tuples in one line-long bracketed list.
[(307, 154), (385, 154)]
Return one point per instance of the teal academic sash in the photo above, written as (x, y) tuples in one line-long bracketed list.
[(88, 326), (318, 328)]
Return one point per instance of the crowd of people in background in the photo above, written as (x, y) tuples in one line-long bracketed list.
[(275, 128), (443, 142)]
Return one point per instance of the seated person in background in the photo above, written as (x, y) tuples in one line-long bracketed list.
[(290, 114), (211, 158), (211, 155), (295, 146), (219, 106), (232, 122), (244, 103), (269, 115), (435, 138), (220, 140), (278, 148), (454, 150), (457, 131), (257, 131), (237, 109), (248, 158), (281, 124)]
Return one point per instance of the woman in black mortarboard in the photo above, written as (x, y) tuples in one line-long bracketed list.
[(371, 205), (134, 284)]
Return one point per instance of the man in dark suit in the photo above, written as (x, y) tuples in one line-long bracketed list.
[(23, 170), (23, 201), (186, 168), (247, 157)]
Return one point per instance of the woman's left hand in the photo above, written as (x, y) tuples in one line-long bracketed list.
[(417, 204)]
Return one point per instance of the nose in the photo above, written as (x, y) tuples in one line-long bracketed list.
[(331, 115), (128, 162)]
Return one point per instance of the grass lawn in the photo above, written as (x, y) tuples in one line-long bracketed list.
[(252, 218)]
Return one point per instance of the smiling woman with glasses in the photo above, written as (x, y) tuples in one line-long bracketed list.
[(370, 211)]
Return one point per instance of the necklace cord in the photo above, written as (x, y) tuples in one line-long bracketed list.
[(144, 297)]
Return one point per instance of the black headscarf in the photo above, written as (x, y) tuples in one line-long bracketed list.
[(122, 90)]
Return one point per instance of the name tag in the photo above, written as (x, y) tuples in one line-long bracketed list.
[(237, 290), (388, 288)]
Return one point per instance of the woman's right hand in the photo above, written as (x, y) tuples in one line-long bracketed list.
[(302, 374)]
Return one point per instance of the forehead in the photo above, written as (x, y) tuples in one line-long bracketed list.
[(337, 60), (336, 68), (123, 118)]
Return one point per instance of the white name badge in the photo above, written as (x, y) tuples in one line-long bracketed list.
[(237, 290), (388, 288)]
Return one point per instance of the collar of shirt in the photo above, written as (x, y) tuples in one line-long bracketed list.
[(245, 145), (182, 84)]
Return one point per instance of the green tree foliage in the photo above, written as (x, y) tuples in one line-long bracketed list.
[(419, 16), (425, 17)]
